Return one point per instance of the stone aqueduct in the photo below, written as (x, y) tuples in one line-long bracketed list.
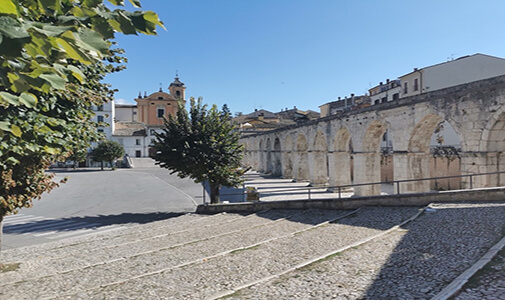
[(320, 151)]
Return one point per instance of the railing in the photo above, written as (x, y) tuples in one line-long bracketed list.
[(340, 189)]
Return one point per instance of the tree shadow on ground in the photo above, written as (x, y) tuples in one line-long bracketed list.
[(86, 222), (437, 247)]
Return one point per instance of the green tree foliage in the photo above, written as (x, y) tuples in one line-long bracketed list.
[(107, 151), (53, 56), (201, 145)]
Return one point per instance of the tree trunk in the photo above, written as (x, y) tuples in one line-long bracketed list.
[(214, 193), (1, 232), (101, 165)]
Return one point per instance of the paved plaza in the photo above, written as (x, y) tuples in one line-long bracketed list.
[(368, 253)]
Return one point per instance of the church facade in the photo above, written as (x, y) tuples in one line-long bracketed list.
[(136, 125)]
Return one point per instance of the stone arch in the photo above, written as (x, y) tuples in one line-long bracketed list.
[(420, 138), (287, 159), (277, 158), (339, 159), (415, 164), (367, 168), (373, 136), (493, 145), (318, 159), (302, 160)]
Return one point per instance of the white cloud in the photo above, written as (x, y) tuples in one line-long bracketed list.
[(122, 101)]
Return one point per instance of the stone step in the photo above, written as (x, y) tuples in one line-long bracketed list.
[(71, 258), (220, 271), (413, 262), (166, 258), (30, 251), (122, 235)]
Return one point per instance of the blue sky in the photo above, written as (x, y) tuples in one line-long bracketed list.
[(276, 54)]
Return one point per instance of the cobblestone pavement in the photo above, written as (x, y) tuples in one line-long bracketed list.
[(276, 254), (488, 283)]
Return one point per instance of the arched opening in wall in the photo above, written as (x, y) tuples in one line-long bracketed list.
[(367, 160), (421, 157), (495, 148), (287, 158), (445, 160), (269, 157), (318, 162), (277, 156), (302, 172)]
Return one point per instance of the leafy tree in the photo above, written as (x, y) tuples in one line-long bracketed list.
[(107, 151), (53, 57), (225, 111), (77, 155), (200, 145)]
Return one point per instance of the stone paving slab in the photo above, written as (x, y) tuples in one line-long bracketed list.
[(218, 274), (414, 261)]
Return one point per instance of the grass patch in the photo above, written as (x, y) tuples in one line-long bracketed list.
[(4, 268)]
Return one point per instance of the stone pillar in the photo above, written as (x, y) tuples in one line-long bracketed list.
[(318, 168), (412, 166), (302, 170), (339, 167), (367, 169), (287, 164), (475, 163)]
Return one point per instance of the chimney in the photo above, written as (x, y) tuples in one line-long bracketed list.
[(380, 83), (387, 80), (415, 69)]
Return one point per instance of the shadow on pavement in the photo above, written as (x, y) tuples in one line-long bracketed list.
[(87, 222)]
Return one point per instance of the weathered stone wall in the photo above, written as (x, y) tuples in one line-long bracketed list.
[(320, 150)]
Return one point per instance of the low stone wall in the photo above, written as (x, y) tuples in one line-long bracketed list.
[(422, 199)]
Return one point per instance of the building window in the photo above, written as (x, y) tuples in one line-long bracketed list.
[(152, 132), (153, 141), (377, 101), (416, 84), (161, 112), (120, 141), (384, 99), (405, 88), (99, 108), (137, 142), (396, 96), (100, 118)]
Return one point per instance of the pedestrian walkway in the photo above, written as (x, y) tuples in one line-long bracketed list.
[(368, 253), (271, 188), (51, 228)]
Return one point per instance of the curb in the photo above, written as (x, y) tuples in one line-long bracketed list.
[(458, 283)]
